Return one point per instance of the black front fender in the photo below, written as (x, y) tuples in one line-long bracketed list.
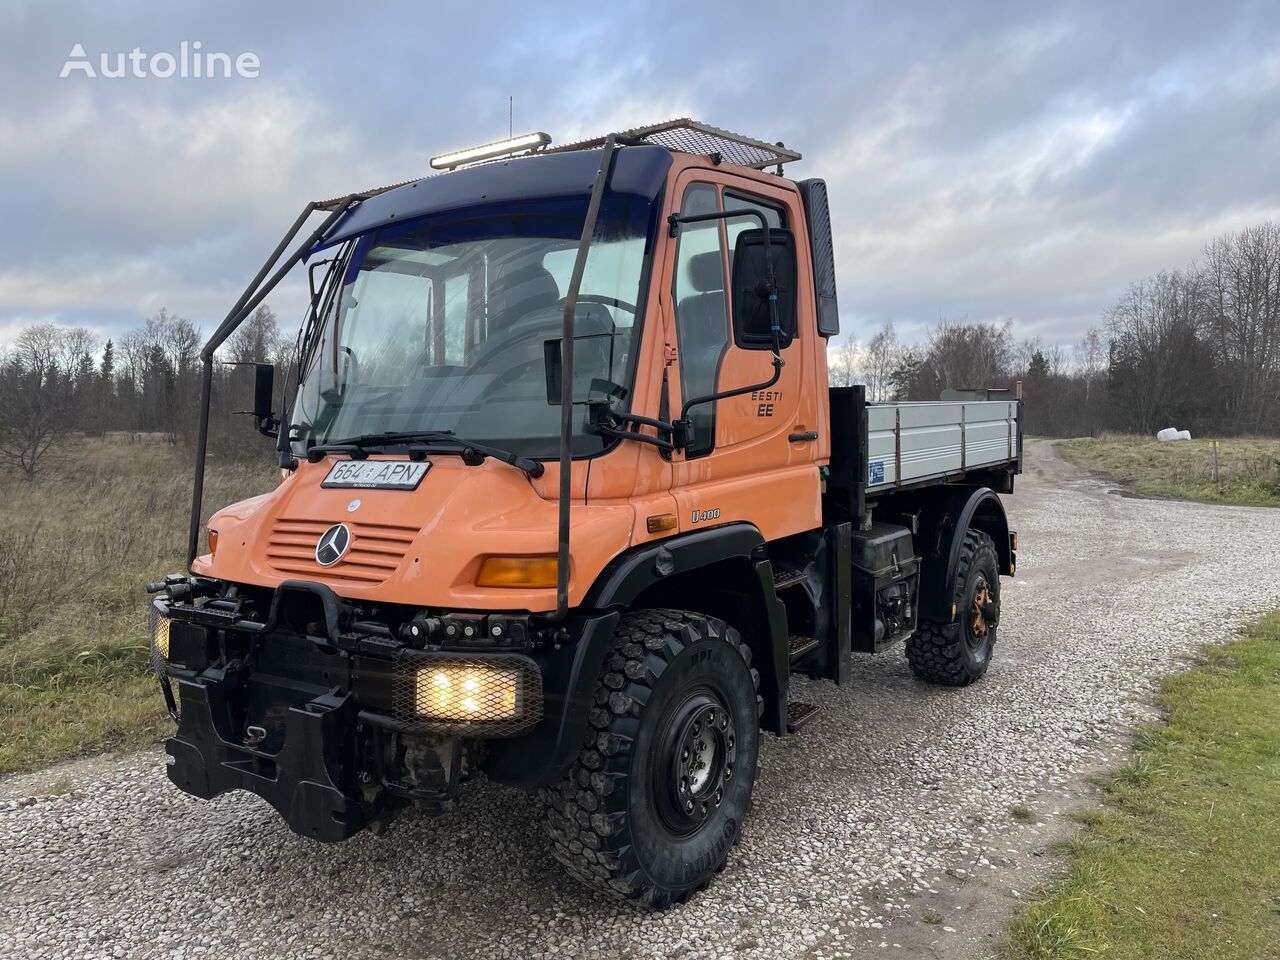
[(942, 531), (640, 574)]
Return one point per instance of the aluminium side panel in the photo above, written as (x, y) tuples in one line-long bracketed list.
[(917, 441), (988, 427)]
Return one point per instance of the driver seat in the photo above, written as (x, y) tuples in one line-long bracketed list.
[(517, 290)]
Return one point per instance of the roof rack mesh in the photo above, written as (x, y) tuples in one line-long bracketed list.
[(681, 136), (691, 136)]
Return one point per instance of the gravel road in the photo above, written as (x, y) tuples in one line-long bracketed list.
[(889, 794)]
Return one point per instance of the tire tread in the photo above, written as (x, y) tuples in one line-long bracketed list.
[(586, 814), (936, 650)]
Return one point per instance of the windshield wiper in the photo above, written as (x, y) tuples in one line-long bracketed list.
[(419, 441)]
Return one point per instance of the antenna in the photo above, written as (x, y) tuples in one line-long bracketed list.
[(511, 116)]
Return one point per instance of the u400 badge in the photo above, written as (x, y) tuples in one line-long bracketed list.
[(702, 515)]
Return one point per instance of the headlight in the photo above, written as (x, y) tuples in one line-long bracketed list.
[(473, 692)]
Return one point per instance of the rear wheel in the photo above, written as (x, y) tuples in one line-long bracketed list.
[(659, 792), (955, 653)]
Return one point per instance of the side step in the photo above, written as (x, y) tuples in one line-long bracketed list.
[(800, 646), (788, 578), (798, 714)]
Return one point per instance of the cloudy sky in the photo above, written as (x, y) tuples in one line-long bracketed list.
[(985, 160)]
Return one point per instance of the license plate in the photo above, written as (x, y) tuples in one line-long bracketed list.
[(377, 474)]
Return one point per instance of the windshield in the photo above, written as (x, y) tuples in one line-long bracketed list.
[(441, 324)]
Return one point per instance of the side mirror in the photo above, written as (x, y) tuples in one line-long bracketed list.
[(752, 324), (264, 381)]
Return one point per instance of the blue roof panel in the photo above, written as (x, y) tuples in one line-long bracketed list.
[(637, 171)]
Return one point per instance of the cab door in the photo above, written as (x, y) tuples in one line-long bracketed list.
[(750, 457)]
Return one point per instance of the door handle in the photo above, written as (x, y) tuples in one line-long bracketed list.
[(803, 437)]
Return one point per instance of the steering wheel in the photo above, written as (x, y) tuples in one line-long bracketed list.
[(521, 354), (631, 308)]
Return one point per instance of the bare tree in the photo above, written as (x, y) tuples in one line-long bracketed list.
[(258, 339), (1022, 354), (1091, 359), (879, 361), (971, 356), (37, 398), (842, 364), (1241, 277), (1159, 366)]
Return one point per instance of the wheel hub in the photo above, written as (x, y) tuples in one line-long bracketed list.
[(982, 610), (701, 746)]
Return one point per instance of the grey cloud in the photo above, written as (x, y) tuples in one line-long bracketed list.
[(994, 160)]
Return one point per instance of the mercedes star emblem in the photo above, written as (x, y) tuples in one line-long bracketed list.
[(333, 544)]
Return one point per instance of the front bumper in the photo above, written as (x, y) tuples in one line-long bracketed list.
[(336, 734), (306, 779), (333, 736)]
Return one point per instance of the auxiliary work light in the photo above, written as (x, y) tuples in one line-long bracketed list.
[(461, 692), (525, 143), (159, 637)]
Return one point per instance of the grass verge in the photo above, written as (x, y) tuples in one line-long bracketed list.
[(76, 547), (1248, 467), (1182, 861)]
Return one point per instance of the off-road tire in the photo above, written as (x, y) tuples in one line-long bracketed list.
[(947, 652), (604, 818)]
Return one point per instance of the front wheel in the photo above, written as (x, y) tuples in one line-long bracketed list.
[(659, 792), (957, 652)]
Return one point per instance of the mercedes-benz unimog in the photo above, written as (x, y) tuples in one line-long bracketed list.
[(565, 501)]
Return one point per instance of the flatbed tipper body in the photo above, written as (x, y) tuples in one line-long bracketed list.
[(916, 442), (565, 501)]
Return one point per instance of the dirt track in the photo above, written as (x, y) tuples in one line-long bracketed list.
[(891, 804)]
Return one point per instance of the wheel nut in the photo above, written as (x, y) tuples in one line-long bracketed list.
[(729, 741), (724, 722), (719, 797), (684, 784), (688, 806), (705, 810), (728, 770), (711, 716), (684, 755)]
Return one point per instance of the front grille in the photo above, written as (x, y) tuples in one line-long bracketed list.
[(376, 550), (495, 695)]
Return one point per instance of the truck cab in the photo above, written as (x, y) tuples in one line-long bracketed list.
[(565, 500)]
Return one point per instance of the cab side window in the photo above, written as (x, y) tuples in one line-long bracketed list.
[(702, 311)]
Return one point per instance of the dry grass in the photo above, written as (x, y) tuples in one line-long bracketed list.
[(76, 547), (1248, 467)]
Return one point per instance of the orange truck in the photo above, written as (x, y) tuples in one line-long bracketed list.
[(565, 501)]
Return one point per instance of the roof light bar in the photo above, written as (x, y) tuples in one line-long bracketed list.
[(525, 143)]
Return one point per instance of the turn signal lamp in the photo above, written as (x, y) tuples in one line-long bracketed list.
[(525, 143), (213, 542), (538, 571), (664, 521), (470, 692)]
